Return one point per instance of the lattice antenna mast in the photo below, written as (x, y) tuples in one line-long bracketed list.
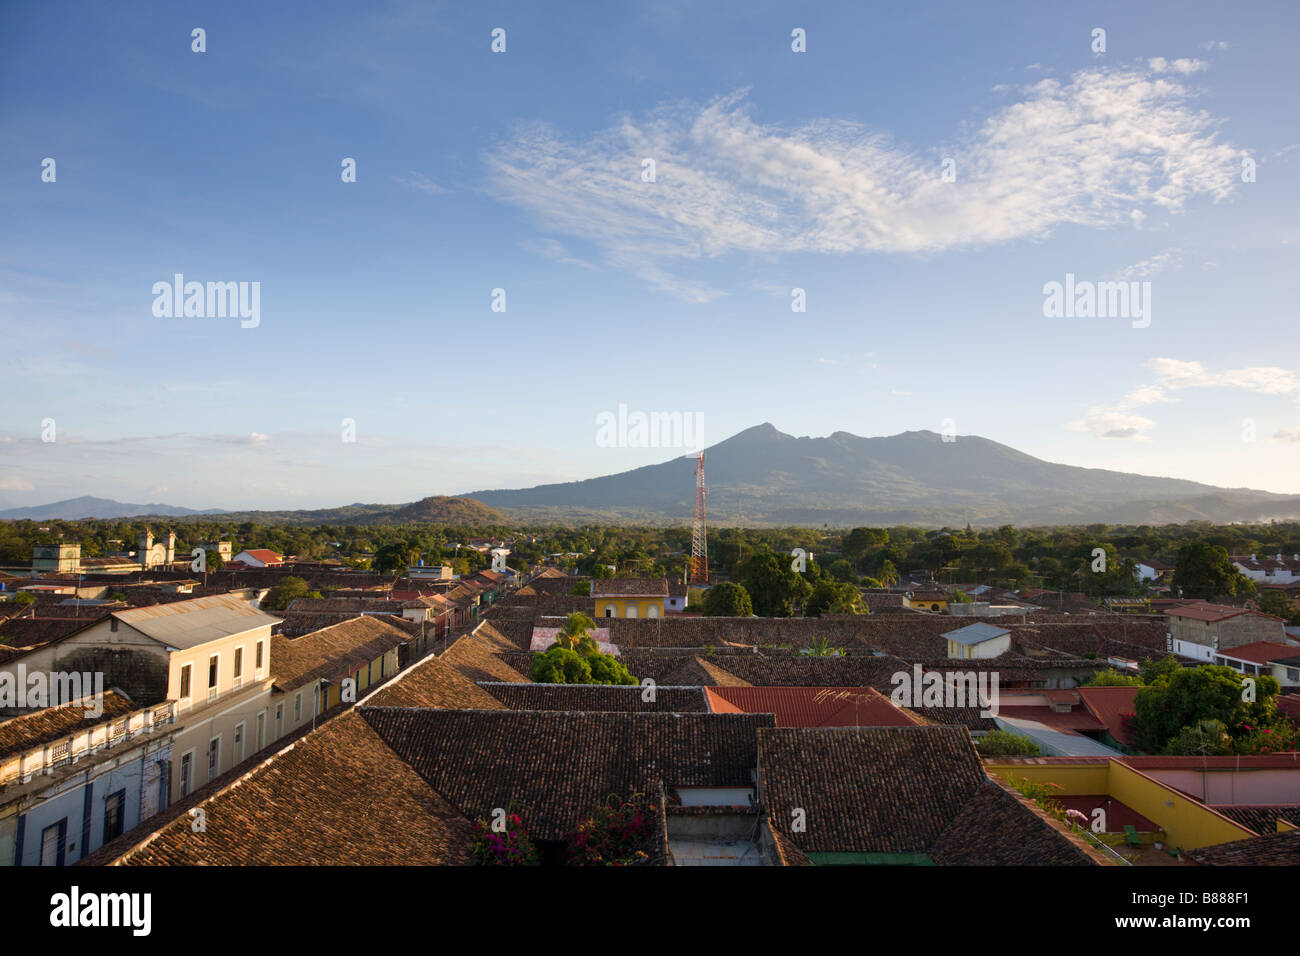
[(699, 539)]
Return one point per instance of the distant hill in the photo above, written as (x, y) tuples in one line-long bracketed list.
[(87, 507), (441, 509), (764, 476)]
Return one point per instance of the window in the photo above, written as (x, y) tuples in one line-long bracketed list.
[(187, 773), (1293, 673), (239, 741), (213, 661), (239, 661), (114, 814), (258, 659), (631, 610), (297, 707), (279, 719), (261, 730), (185, 680), (214, 757), (609, 611)]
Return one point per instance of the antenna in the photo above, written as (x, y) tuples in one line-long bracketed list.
[(699, 537)]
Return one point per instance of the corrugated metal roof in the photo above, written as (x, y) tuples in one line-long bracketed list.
[(976, 633), (186, 624)]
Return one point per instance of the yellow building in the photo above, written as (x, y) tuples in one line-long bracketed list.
[(629, 597), (926, 600)]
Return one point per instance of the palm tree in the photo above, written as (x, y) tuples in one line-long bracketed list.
[(888, 574)]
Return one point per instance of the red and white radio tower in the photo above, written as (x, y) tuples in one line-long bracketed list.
[(699, 540)]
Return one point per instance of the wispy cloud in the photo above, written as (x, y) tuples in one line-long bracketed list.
[(1145, 269), (554, 250), (421, 182), (1263, 379), (1100, 149), (1287, 435)]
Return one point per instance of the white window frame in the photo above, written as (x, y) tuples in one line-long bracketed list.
[(297, 707), (239, 741), (214, 772), (185, 787), (213, 692), (259, 647), (237, 659), (186, 700)]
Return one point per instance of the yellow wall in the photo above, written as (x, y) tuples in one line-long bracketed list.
[(1187, 823), (620, 606), (941, 602)]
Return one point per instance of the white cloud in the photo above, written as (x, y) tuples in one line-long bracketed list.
[(1094, 151), (1185, 66), (1110, 424), (1149, 267), (1215, 45), (14, 483), (1287, 435), (1266, 380)]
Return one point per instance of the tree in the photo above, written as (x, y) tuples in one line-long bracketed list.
[(1205, 570), (1275, 602), (821, 647), (888, 573), (727, 599), (774, 588), (559, 665), (581, 589), (1003, 743), (1209, 738), (1113, 678), (859, 542), (285, 593), (834, 597), (24, 597), (1195, 694), (213, 560), (392, 557), (1154, 669)]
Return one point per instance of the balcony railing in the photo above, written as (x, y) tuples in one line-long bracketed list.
[(22, 767)]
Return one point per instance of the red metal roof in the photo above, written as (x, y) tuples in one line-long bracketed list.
[(1260, 652), (811, 706), (1113, 706)]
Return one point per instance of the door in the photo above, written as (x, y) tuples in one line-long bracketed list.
[(54, 841)]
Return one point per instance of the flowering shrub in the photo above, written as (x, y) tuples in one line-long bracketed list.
[(617, 834), (1041, 794), (511, 847)]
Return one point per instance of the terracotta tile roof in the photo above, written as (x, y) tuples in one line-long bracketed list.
[(336, 797), (901, 790), (433, 682), (562, 765), (629, 587), (1261, 819), (335, 652), (598, 698), (811, 706), (476, 661), (54, 723), (1212, 612), (1274, 849)]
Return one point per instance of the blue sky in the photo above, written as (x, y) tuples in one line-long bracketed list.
[(522, 171)]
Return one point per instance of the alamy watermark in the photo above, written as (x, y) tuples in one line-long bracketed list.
[(20, 690), (946, 689), (626, 429), (213, 300), (1098, 300)]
